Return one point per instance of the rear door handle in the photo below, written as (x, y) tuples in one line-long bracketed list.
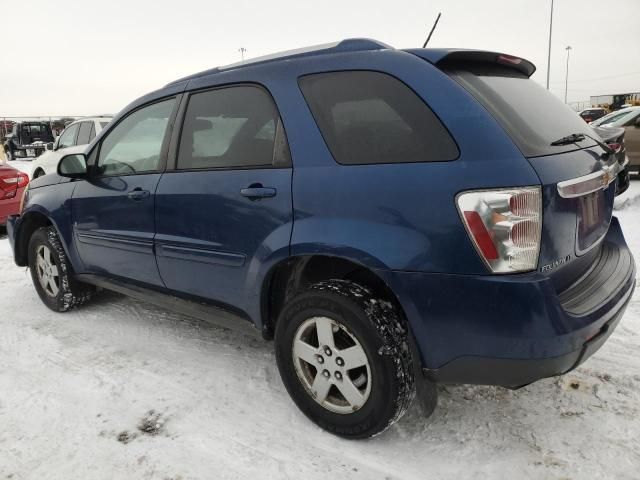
[(256, 191), (137, 194)]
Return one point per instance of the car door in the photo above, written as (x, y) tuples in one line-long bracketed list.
[(227, 204), (113, 211)]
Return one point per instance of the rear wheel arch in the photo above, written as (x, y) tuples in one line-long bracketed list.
[(294, 274), (38, 172)]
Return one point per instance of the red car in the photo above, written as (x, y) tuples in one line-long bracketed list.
[(12, 185)]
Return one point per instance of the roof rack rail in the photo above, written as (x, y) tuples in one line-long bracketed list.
[(343, 46)]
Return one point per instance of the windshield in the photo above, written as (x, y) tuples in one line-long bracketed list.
[(532, 116), (619, 118)]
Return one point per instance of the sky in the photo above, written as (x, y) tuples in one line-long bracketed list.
[(79, 57)]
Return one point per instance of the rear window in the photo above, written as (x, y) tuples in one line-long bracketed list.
[(618, 119), (370, 117), (531, 115)]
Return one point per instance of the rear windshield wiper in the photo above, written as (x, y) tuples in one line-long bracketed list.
[(578, 137), (573, 138)]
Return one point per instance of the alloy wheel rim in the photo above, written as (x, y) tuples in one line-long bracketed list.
[(47, 271), (332, 365)]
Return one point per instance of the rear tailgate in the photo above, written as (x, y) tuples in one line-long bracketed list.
[(577, 177)]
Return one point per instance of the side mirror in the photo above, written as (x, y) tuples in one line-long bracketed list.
[(49, 146), (73, 166)]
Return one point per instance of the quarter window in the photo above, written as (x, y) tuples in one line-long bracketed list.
[(371, 117), (234, 127), (68, 137), (134, 145)]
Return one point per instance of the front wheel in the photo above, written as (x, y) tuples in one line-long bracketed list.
[(345, 359), (52, 274)]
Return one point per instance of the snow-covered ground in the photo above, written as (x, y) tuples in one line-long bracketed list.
[(122, 390)]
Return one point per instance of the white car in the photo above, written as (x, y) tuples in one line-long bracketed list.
[(74, 139)]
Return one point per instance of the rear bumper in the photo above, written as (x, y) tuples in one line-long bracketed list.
[(11, 229), (23, 151), (9, 207), (511, 330), (519, 372)]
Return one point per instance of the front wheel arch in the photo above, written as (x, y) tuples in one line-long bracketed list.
[(30, 222)]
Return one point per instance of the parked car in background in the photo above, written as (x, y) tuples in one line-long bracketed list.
[(392, 218), (614, 138), (591, 114), (629, 119), (12, 185), (27, 139), (74, 139)]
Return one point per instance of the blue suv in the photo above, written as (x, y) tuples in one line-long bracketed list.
[(392, 218)]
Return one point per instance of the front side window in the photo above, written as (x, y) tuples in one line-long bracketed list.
[(68, 137), (134, 145), (371, 117), (84, 133), (233, 127)]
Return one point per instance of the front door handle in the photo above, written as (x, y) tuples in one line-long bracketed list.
[(138, 194), (256, 191)]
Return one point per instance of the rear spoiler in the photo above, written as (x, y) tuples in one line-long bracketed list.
[(443, 56)]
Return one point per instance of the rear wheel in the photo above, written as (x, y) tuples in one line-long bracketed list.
[(345, 359), (52, 274)]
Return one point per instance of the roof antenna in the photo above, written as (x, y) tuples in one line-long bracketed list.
[(432, 29)]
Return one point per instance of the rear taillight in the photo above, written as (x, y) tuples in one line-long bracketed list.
[(616, 147), (504, 226), (25, 192), (23, 179), (10, 185)]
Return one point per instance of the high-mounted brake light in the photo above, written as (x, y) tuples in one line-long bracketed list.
[(509, 59), (505, 226)]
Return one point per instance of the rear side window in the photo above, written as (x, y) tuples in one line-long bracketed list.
[(233, 127), (532, 116), (370, 117), (84, 133)]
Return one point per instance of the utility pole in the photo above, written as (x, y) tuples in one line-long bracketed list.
[(242, 50), (549, 54), (566, 79)]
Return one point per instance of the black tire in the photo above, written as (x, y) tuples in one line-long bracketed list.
[(9, 154), (70, 293), (383, 335)]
